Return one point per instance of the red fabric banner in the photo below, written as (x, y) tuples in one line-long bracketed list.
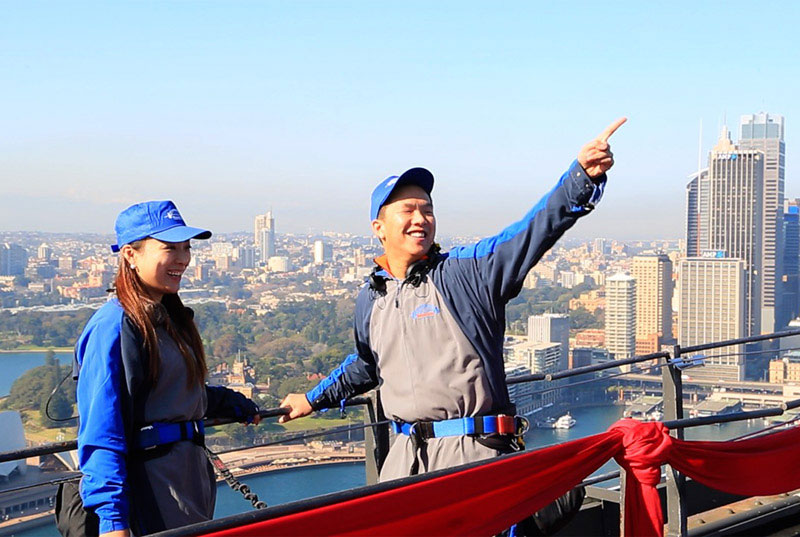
[(486, 499), (754, 467), (479, 501)]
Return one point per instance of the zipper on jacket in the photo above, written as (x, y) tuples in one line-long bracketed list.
[(397, 294)]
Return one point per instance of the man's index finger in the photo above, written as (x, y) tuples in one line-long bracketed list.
[(606, 134)]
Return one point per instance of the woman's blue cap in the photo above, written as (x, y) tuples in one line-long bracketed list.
[(415, 176), (157, 219)]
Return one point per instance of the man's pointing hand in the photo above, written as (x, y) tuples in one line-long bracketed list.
[(596, 156)]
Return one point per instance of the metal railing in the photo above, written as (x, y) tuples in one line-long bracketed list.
[(377, 434)]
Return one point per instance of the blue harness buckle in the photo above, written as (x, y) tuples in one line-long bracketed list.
[(501, 424), (160, 434)]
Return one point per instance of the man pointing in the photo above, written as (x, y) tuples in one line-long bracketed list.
[(429, 326)]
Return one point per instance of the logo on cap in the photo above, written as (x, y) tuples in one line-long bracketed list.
[(173, 214)]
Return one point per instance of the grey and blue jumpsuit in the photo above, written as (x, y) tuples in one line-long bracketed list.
[(435, 346), (170, 486)]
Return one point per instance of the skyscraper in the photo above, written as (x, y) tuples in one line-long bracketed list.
[(764, 132), (323, 252), (265, 222), (653, 275), (621, 316), (13, 259), (697, 213), (551, 328), (735, 208), (712, 307), (790, 283)]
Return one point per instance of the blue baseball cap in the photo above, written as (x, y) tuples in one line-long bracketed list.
[(157, 219), (415, 176)]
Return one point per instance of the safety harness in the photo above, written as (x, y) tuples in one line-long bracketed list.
[(159, 434), (511, 426)]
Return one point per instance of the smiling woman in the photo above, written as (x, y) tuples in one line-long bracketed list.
[(142, 394)]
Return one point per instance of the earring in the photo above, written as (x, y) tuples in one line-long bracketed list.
[(133, 267)]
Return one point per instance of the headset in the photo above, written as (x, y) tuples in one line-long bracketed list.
[(414, 275)]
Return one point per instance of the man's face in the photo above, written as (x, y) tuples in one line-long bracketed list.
[(406, 224)]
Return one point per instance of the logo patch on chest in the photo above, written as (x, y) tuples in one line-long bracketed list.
[(424, 311)]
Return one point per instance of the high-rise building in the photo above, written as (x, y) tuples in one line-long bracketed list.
[(764, 132), (736, 178), (697, 213), (620, 334), (267, 245), (551, 328), (653, 275), (265, 242), (790, 282), (13, 259), (44, 252), (323, 252), (712, 307), (245, 256)]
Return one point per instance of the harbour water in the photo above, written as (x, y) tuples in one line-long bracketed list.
[(14, 364)]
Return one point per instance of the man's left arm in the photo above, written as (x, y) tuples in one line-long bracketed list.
[(502, 261)]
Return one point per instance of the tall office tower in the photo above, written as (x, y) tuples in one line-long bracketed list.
[(245, 256), (599, 246), (13, 259), (790, 283), (697, 213), (712, 307), (621, 316), (267, 245), (44, 252), (551, 328), (764, 132), (359, 258), (323, 252), (653, 275), (265, 222), (735, 203)]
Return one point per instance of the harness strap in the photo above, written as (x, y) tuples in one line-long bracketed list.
[(500, 424), (159, 434)]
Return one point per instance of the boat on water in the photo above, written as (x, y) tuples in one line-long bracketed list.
[(564, 422)]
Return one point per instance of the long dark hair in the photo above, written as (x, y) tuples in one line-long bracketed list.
[(146, 313)]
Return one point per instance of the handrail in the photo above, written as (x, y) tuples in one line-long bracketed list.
[(739, 341), (585, 369), (69, 445)]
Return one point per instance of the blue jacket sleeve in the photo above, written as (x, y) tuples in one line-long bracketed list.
[(357, 373), (102, 442), (503, 260)]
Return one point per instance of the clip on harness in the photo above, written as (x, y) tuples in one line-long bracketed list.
[(161, 434), (501, 424)]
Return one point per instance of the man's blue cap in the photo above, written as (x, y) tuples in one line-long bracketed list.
[(157, 219), (415, 176)]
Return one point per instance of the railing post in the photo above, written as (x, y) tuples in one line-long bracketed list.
[(376, 439), (672, 385)]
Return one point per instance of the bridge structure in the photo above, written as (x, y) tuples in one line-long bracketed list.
[(690, 508)]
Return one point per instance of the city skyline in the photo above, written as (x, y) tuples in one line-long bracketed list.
[(230, 109)]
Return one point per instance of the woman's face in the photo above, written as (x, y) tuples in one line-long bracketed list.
[(160, 265)]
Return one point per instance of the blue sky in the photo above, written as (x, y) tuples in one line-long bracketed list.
[(232, 108)]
